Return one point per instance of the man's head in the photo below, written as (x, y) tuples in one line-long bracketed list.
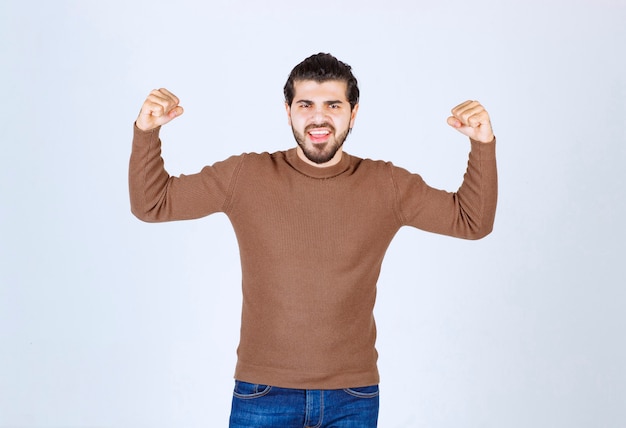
[(321, 98), (320, 68)]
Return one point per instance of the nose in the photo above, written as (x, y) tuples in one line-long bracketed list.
[(319, 115)]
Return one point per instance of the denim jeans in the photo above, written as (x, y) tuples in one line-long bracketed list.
[(263, 406)]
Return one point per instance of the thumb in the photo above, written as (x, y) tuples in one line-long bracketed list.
[(454, 122), (468, 131), (148, 120), (171, 115), (175, 112)]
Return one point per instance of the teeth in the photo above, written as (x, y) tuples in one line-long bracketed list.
[(319, 132)]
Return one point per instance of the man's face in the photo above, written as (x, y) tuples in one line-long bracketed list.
[(321, 118)]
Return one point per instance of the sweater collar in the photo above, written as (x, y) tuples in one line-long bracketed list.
[(315, 171)]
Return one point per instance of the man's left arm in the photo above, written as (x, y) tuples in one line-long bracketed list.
[(470, 211)]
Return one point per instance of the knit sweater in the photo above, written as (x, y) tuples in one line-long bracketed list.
[(311, 243)]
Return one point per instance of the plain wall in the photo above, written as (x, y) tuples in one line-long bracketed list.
[(106, 321)]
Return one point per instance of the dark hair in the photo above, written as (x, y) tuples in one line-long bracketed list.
[(323, 67)]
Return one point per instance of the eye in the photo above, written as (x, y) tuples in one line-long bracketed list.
[(334, 106)]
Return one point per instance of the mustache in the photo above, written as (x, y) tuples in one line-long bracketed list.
[(319, 125)]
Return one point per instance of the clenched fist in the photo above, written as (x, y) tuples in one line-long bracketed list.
[(471, 119), (160, 107)]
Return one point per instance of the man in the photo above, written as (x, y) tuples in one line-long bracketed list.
[(313, 224)]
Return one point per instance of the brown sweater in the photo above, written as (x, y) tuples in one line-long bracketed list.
[(311, 242)]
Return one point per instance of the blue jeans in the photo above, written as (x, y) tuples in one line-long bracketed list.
[(262, 406)]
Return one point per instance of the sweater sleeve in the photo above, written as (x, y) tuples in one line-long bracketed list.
[(155, 196), (468, 213)]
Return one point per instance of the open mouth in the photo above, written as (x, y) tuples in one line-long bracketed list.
[(319, 133)]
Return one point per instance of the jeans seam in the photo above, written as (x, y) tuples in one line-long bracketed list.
[(361, 394), (321, 417), (266, 391), (321, 410)]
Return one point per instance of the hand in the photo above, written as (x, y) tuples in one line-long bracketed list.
[(471, 119), (160, 107)]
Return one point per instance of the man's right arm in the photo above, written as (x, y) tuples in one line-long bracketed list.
[(156, 196)]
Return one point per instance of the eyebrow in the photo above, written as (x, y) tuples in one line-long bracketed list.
[(329, 102)]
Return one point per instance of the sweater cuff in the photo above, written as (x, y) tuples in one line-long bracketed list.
[(144, 138), (486, 150)]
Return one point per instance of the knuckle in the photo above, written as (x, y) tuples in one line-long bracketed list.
[(158, 110)]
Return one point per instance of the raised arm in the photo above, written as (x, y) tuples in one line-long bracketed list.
[(470, 211), (156, 196)]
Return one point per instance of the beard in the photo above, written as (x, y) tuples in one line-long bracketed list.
[(320, 153)]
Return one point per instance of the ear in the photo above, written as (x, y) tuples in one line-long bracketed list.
[(288, 109), (353, 115)]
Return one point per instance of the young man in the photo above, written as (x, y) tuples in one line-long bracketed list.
[(313, 224)]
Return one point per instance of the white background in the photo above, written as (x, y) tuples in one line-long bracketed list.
[(106, 321)]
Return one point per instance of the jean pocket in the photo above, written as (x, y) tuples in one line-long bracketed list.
[(246, 391), (363, 392)]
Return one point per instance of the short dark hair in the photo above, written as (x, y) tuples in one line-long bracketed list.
[(323, 67)]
